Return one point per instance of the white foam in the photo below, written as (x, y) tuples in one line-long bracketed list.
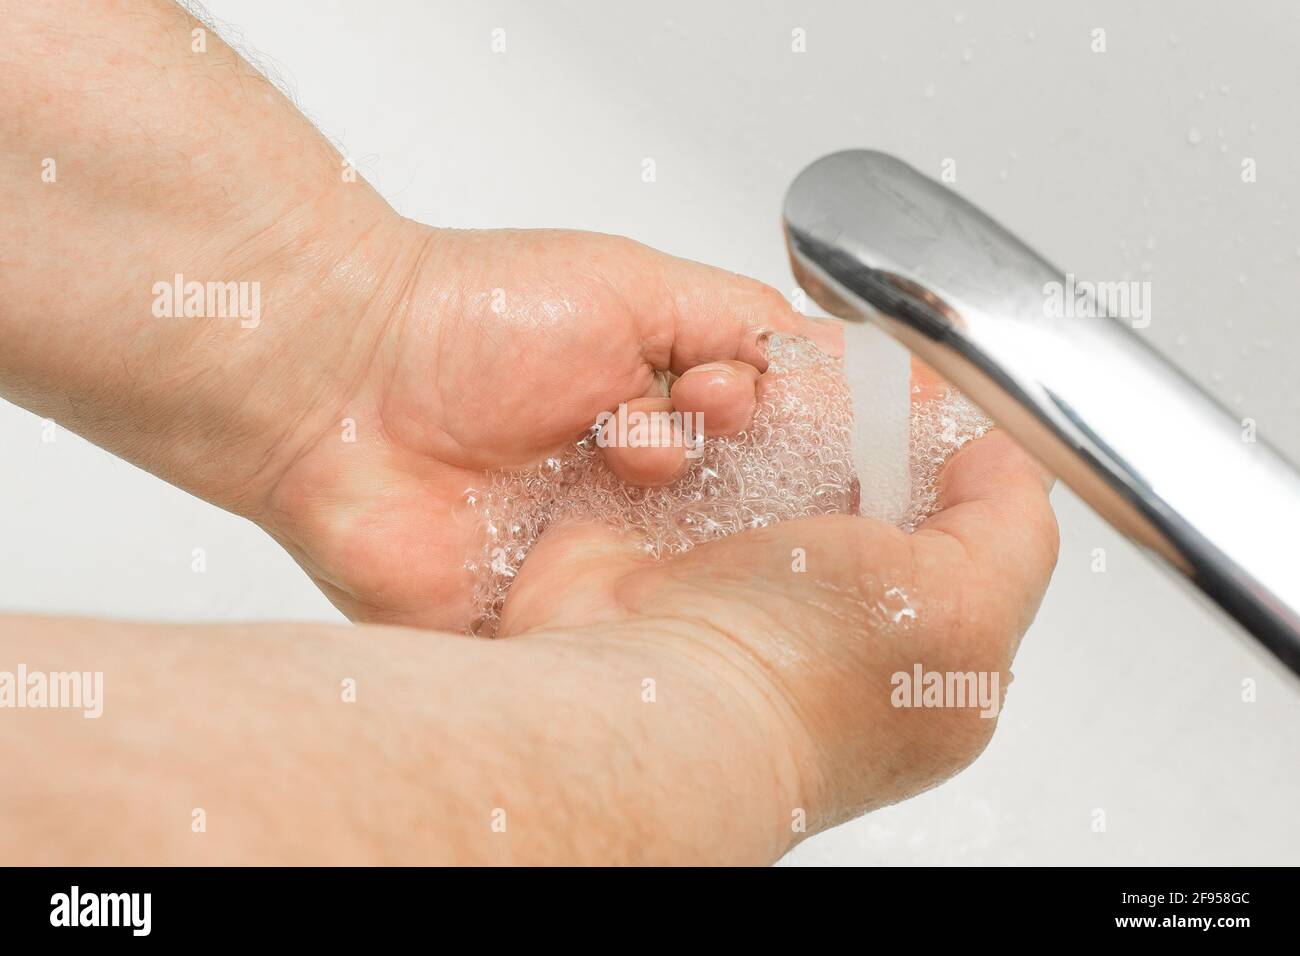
[(797, 459), (939, 426)]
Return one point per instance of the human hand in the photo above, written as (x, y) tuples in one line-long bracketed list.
[(501, 351), (445, 353), (712, 707), (371, 322), (813, 654)]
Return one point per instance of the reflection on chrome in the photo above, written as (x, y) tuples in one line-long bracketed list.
[(870, 237)]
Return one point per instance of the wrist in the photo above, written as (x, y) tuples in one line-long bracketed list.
[(256, 393), (769, 788)]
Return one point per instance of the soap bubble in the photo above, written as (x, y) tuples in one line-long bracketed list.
[(794, 461), (938, 427)]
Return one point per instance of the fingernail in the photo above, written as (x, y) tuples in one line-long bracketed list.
[(754, 350)]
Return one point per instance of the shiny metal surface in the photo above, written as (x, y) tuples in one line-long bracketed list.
[(870, 237)]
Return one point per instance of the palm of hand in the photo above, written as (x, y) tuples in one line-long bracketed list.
[(505, 349), (809, 620)]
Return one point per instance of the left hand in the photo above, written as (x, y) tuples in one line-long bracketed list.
[(501, 350)]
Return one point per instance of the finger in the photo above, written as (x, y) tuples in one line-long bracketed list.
[(929, 386), (709, 315), (993, 501), (643, 443), (718, 395), (568, 578)]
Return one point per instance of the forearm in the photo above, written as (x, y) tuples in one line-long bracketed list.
[(127, 159), (534, 750)]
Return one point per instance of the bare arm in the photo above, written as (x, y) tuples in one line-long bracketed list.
[(129, 157), (455, 750), (373, 369), (768, 715), (714, 707)]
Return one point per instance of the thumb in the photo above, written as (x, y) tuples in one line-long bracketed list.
[(569, 578), (994, 501)]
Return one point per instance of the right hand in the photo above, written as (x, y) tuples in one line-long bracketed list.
[(808, 656)]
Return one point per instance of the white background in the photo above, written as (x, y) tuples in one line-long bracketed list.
[(1128, 690)]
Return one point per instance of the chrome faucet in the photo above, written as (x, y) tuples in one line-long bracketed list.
[(1054, 362)]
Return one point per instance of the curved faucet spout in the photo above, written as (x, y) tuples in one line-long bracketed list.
[(1057, 362)]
